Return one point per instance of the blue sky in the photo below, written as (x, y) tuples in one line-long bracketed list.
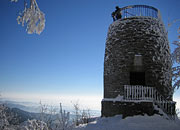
[(66, 60)]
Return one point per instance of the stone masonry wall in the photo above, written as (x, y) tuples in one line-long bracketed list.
[(136, 36), (125, 109)]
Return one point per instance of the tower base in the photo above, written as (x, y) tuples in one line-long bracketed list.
[(127, 108)]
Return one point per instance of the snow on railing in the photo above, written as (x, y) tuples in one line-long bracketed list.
[(166, 105), (138, 92)]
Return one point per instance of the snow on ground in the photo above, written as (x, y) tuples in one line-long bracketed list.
[(155, 122)]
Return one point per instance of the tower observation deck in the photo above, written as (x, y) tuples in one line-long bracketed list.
[(139, 10)]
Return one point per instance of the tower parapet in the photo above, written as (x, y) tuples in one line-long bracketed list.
[(139, 10)]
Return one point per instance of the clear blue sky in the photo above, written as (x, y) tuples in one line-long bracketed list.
[(67, 58)]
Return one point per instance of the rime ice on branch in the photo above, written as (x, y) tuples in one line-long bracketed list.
[(14, 0), (33, 17), (176, 58)]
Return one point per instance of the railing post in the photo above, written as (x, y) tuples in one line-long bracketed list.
[(152, 93), (135, 92), (149, 93), (145, 92), (132, 92), (142, 93), (168, 107), (139, 92), (171, 108), (127, 92), (155, 95), (124, 92)]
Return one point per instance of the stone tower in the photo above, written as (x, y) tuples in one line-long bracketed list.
[(137, 64)]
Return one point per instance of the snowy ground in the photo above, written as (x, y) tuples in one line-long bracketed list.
[(155, 122)]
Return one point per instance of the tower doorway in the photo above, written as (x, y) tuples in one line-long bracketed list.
[(137, 78)]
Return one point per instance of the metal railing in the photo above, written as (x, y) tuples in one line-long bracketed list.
[(139, 10), (137, 92)]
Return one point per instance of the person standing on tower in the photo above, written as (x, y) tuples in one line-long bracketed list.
[(116, 14), (113, 16)]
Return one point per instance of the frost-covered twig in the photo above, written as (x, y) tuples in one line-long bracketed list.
[(14, 0), (81, 116), (33, 17), (63, 120), (176, 77), (3, 118), (34, 125), (176, 58)]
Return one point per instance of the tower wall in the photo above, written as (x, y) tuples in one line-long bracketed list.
[(128, 39)]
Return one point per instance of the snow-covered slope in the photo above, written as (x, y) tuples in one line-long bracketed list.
[(155, 122)]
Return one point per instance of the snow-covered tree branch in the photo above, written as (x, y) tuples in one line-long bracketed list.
[(81, 116), (63, 119), (34, 125), (176, 59), (3, 117), (32, 17), (14, 0)]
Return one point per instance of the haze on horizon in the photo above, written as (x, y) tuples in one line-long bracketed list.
[(65, 62)]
